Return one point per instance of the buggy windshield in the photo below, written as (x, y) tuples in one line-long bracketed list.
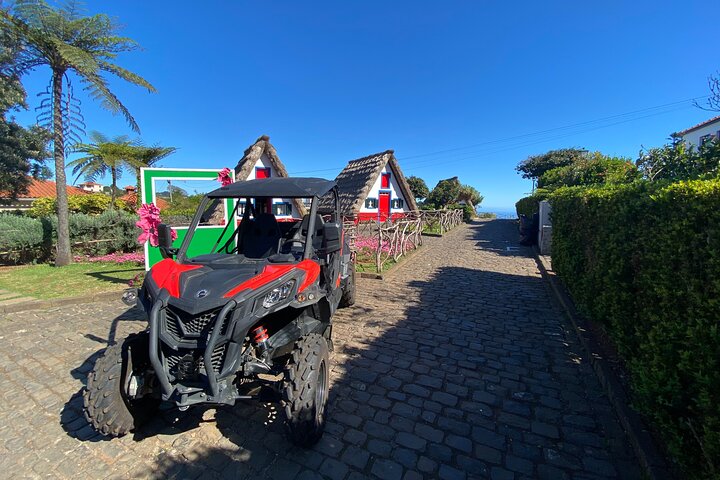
[(275, 219)]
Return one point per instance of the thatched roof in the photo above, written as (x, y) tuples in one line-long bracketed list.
[(358, 177), (253, 153)]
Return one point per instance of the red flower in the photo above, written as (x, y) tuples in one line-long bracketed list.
[(224, 177)]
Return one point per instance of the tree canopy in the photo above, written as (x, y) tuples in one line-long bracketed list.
[(470, 194), (535, 165), (104, 156), (23, 151), (418, 187), (591, 169), (445, 192), (66, 41), (680, 161)]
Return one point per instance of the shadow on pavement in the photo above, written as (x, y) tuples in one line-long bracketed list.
[(467, 372)]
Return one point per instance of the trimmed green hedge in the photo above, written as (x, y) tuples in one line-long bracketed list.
[(644, 260), (25, 239), (529, 205)]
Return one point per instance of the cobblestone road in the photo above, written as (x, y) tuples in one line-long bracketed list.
[(458, 366)]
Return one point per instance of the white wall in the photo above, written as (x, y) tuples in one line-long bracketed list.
[(395, 192), (693, 138), (264, 162)]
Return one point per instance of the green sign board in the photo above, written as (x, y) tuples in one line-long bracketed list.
[(153, 180)]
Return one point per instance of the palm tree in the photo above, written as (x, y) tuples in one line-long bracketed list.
[(67, 42), (104, 156), (147, 157)]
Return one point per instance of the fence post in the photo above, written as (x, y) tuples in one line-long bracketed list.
[(378, 264)]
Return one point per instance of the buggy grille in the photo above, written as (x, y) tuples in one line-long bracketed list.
[(181, 325), (191, 363)]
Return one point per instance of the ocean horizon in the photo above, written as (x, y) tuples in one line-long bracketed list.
[(500, 212)]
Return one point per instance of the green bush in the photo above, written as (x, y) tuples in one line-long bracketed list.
[(25, 239), (468, 212), (644, 260), (92, 203), (594, 170), (529, 205)]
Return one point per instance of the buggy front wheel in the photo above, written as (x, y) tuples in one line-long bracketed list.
[(108, 405), (305, 390)]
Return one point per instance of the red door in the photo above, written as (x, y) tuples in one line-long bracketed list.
[(264, 172), (384, 206)]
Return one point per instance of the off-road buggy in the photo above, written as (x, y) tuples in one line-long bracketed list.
[(250, 319)]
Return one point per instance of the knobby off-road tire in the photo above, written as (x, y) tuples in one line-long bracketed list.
[(348, 292), (305, 390), (107, 407)]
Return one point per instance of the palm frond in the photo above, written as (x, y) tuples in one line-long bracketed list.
[(98, 90), (126, 75), (76, 58)]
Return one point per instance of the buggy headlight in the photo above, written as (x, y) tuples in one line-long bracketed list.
[(278, 294)]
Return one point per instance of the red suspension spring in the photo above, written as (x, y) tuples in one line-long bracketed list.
[(260, 334)]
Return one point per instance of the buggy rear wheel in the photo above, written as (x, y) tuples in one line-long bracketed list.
[(108, 405), (305, 391), (348, 292)]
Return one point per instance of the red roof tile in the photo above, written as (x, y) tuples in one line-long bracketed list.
[(46, 188)]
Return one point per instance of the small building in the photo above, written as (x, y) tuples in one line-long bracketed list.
[(701, 133), (37, 189), (261, 160), (91, 187), (374, 188)]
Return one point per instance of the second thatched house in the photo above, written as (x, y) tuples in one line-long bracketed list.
[(374, 188), (261, 160)]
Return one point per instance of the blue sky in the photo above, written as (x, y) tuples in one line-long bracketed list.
[(453, 87)]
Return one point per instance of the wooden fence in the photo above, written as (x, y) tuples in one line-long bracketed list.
[(377, 243)]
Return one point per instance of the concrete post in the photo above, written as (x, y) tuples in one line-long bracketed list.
[(545, 228)]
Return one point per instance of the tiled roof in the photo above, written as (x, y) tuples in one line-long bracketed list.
[(358, 177), (46, 188), (699, 125)]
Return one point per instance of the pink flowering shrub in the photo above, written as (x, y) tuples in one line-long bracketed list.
[(224, 177), (148, 223), (370, 245)]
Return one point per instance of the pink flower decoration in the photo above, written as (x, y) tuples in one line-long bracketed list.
[(224, 177), (148, 223)]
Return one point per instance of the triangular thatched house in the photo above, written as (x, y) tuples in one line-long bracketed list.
[(261, 160), (374, 187)]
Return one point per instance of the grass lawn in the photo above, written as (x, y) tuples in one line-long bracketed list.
[(47, 281), (432, 229)]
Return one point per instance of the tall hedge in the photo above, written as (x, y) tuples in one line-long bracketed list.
[(644, 260), (26, 239), (530, 205)]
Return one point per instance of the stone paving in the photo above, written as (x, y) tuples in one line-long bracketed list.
[(457, 366)]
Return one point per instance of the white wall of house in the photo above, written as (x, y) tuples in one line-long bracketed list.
[(395, 193), (91, 187), (264, 162), (694, 138)]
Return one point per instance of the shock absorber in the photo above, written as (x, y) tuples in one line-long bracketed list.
[(260, 336)]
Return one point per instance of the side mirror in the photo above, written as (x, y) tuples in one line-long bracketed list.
[(332, 233), (165, 241)]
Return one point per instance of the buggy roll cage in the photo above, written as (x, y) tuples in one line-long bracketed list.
[(292, 188)]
